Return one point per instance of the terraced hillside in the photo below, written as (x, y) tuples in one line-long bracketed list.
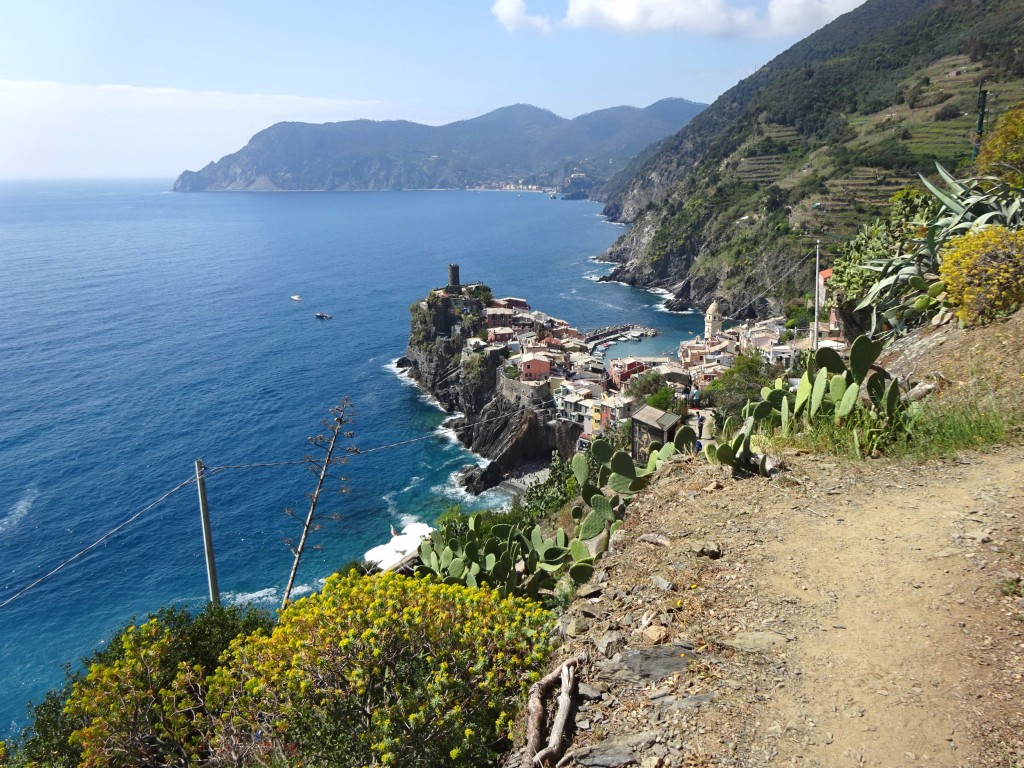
[(813, 146)]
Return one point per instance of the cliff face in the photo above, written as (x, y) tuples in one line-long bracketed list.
[(491, 425)]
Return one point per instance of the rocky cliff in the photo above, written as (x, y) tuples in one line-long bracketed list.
[(491, 425)]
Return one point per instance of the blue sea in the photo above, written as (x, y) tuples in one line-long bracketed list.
[(141, 330)]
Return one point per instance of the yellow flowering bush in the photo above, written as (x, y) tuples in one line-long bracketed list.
[(984, 273), (142, 708), (379, 670), (140, 699)]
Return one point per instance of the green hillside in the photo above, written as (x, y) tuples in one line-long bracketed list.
[(812, 146)]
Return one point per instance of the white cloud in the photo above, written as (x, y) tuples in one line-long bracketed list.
[(57, 130), (719, 18), (513, 16)]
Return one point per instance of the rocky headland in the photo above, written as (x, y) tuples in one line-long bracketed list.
[(519, 145), (447, 358)]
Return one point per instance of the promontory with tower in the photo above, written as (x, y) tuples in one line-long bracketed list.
[(525, 383)]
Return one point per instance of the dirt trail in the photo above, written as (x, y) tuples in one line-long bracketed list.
[(854, 618), (894, 619)]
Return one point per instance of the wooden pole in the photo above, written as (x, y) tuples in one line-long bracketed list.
[(204, 512)]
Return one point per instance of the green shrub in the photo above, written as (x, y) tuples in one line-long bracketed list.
[(1002, 154), (140, 701), (983, 273), (644, 384), (664, 399), (474, 367), (949, 111), (741, 382), (385, 670)]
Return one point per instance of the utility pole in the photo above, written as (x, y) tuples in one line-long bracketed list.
[(204, 512), (817, 278), (980, 127)]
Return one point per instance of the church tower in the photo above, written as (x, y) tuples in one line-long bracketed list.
[(712, 322)]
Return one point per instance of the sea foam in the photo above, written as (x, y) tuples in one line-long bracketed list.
[(19, 509)]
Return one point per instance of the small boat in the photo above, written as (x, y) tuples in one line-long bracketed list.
[(323, 316), (296, 297)]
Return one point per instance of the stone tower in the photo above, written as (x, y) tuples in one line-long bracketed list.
[(712, 322), (453, 278)]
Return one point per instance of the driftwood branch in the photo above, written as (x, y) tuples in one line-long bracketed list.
[(539, 691), (550, 754)]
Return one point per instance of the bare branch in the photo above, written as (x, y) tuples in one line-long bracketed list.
[(342, 414)]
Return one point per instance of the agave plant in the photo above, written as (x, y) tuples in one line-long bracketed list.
[(907, 289)]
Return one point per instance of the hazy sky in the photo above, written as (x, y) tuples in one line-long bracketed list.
[(132, 88)]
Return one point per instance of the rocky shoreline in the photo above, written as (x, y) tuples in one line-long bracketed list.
[(505, 433)]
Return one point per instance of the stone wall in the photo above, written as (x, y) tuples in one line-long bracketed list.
[(526, 394)]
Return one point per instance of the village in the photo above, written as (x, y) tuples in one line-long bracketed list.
[(562, 372)]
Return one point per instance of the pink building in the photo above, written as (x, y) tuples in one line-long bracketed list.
[(499, 335), (534, 368)]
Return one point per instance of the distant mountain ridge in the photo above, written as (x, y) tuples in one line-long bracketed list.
[(515, 144)]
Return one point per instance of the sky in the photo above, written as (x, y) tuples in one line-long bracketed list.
[(141, 89)]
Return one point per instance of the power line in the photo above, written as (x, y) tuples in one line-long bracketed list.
[(218, 470), (98, 541)]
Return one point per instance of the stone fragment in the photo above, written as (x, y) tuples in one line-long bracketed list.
[(575, 626), (657, 663), (610, 643), (607, 755), (589, 692), (654, 539), (663, 584), (709, 549), (589, 590), (642, 739), (656, 635)]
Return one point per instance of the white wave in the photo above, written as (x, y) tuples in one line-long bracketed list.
[(413, 482), (267, 595), (391, 496), (303, 589), (386, 555), (401, 373), (450, 435), (20, 508), (663, 308), (404, 378)]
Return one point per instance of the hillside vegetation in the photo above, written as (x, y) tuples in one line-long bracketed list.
[(518, 145), (811, 146)]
